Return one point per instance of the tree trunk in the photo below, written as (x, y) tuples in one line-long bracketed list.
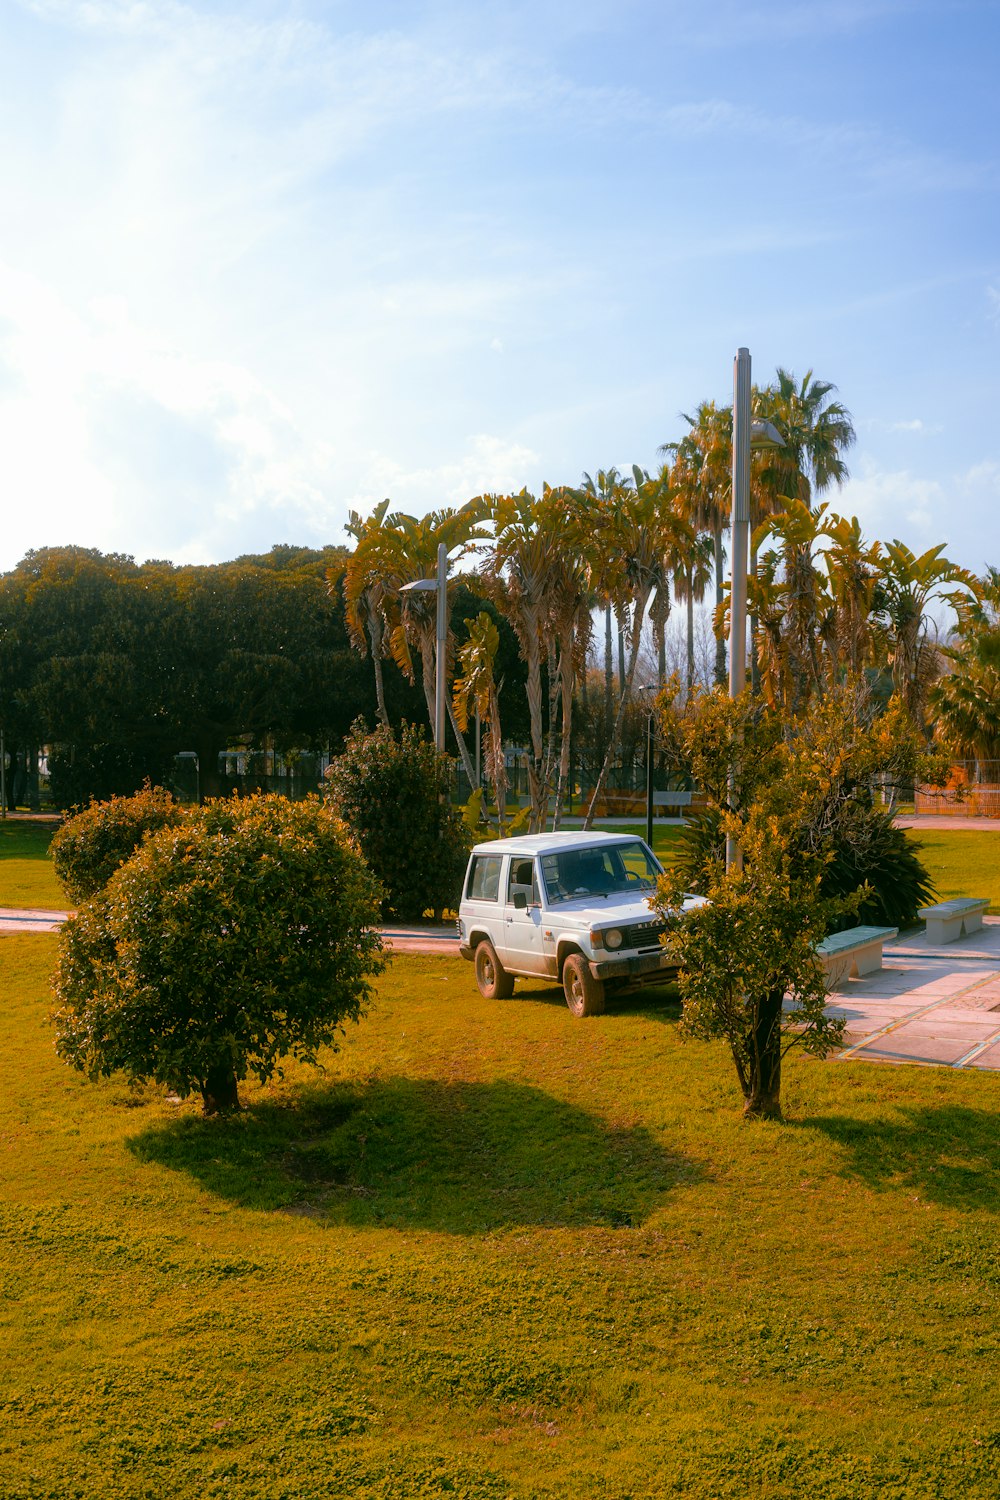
[(638, 616), (609, 672), (754, 663), (689, 685), (762, 1092), (219, 1089), (566, 680), (533, 688), (721, 674), (375, 634)]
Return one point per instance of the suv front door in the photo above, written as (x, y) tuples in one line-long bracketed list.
[(522, 925)]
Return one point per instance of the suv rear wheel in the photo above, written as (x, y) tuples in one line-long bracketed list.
[(584, 994), (492, 978)]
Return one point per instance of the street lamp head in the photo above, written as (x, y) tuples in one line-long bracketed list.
[(420, 586), (764, 434)]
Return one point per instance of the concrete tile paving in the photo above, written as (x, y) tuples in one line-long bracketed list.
[(930, 1004)]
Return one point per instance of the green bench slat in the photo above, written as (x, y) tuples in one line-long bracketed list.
[(854, 937)]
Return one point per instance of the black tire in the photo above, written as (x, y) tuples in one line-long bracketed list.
[(492, 978), (584, 994)]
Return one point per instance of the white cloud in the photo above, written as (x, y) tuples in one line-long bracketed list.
[(958, 510), (489, 464)]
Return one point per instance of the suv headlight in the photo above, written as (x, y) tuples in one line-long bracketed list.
[(612, 938)]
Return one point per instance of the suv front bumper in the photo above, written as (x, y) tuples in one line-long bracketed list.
[(633, 967)]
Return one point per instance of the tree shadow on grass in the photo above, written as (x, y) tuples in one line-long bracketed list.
[(459, 1157), (950, 1154)]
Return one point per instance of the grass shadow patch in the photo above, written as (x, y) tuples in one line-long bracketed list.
[(948, 1153), (459, 1157)]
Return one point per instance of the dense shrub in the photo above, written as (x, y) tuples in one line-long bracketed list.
[(241, 936), (392, 791), (870, 848), (89, 847), (863, 847)]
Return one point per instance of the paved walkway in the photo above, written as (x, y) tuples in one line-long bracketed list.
[(30, 919), (930, 1004)]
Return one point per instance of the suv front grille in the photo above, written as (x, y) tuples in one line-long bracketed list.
[(643, 935)]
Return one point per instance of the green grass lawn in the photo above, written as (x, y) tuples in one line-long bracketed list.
[(492, 1251), (963, 864), (26, 874)]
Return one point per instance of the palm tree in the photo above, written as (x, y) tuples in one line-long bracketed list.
[(568, 620), (854, 568), (634, 534), (803, 594), (605, 488), (701, 478), (909, 584), (365, 595), (817, 431), (477, 685), (966, 700), (690, 562), (521, 561), (399, 548)]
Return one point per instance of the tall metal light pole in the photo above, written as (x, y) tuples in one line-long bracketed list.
[(747, 434), (440, 586), (651, 687)]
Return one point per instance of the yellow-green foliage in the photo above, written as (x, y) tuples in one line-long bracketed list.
[(493, 1252), (241, 936), (89, 848)]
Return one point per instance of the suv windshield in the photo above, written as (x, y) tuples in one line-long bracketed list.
[(601, 870)]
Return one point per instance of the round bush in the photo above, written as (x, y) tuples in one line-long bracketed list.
[(243, 935), (88, 848)]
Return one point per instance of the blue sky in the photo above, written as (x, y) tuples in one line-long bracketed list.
[(264, 263)]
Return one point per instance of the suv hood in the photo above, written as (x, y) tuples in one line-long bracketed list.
[(596, 911), (615, 911)]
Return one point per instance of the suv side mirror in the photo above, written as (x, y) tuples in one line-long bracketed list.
[(520, 900)]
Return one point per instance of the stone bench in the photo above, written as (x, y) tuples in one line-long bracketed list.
[(850, 954), (671, 799), (950, 920)]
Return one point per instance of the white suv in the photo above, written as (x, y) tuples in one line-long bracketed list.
[(570, 907)]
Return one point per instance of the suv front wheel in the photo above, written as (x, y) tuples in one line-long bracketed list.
[(492, 978), (584, 994)]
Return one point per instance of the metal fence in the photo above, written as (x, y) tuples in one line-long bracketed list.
[(971, 791)]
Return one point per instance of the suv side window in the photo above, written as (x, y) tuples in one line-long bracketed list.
[(484, 877), (522, 879)]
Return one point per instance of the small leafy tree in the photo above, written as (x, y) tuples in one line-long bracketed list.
[(392, 792), (241, 936), (789, 792), (88, 848), (750, 946)]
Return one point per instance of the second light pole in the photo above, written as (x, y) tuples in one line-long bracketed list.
[(747, 434)]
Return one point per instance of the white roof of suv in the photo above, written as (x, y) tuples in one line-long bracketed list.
[(549, 843)]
